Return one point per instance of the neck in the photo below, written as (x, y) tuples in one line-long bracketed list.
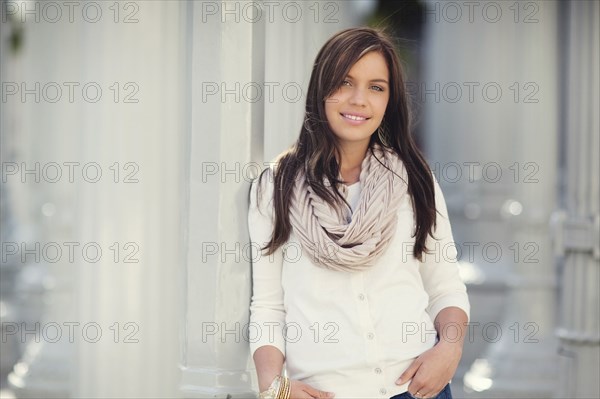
[(352, 156)]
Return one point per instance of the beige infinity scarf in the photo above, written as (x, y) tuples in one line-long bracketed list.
[(334, 240)]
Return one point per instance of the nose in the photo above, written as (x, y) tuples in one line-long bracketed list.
[(357, 97)]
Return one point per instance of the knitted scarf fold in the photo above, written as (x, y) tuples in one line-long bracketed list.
[(337, 239)]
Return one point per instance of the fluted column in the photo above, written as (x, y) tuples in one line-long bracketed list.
[(129, 299), (110, 322), (222, 85), (577, 224), (248, 78)]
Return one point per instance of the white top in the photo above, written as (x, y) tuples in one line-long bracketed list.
[(354, 194), (351, 333)]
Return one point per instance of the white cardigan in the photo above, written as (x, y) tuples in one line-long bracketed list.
[(351, 333)]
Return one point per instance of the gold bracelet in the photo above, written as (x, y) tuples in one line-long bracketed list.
[(285, 388), (289, 390)]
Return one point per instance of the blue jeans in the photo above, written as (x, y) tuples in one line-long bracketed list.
[(444, 394)]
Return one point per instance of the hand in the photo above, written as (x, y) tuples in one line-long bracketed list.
[(301, 390), (432, 371)]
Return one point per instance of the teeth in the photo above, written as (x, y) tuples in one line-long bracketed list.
[(355, 118)]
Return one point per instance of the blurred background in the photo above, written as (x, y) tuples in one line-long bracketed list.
[(130, 132)]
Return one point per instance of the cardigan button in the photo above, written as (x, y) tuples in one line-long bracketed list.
[(370, 335), (383, 391), (361, 297), (377, 370)]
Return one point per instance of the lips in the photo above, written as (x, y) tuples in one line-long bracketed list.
[(355, 117)]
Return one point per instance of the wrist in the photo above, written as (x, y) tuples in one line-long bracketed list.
[(265, 382), (280, 388), (451, 345)]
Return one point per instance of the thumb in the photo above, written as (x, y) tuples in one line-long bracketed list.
[(409, 373)]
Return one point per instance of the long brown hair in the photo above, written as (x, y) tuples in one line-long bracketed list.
[(315, 152)]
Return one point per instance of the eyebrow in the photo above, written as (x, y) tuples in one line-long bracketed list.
[(372, 80)]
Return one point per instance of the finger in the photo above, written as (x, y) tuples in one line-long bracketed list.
[(409, 373), (323, 394), (431, 393), (417, 388), (301, 394), (299, 391), (319, 394), (417, 392), (423, 395)]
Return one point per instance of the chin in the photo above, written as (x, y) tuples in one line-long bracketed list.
[(354, 139)]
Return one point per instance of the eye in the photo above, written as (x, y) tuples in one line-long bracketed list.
[(345, 82), (378, 88)]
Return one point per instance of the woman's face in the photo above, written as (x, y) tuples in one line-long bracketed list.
[(355, 110)]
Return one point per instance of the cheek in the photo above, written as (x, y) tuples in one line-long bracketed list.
[(331, 107)]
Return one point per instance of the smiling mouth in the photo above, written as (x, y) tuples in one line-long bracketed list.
[(355, 117)]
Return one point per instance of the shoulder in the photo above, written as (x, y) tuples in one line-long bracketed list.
[(265, 181), (262, 190), (262, 185), (440, 201)]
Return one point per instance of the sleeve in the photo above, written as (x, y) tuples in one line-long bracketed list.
[(267, 314), (439, 269)]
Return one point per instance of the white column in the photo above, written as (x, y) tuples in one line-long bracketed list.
[(524, 362), (220, 78), (134, 292), (248, 79), (507, 132), (100, 49), (577, 226)]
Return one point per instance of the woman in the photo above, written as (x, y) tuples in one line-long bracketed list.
[(356, 286)]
